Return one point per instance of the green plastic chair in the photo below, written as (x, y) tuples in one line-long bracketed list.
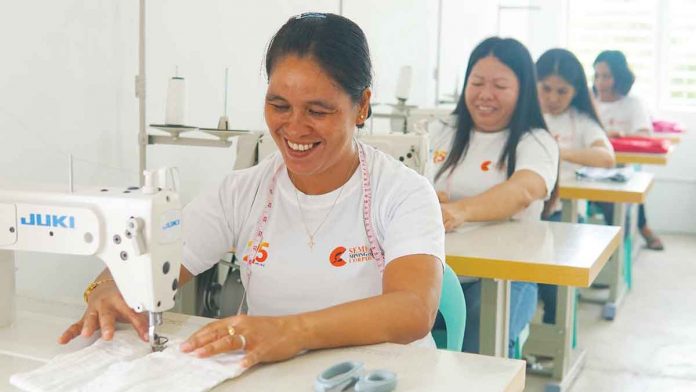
[(453, 310), (628, 258), (519, 342)]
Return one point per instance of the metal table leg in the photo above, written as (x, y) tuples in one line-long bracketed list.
[(556, 341), (617, 288), (495, 317), (632, 243), (613, 272), (570, 211)]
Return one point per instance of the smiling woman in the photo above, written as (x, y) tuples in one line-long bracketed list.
[(318, 91), (570, 113), (312, 123), (573, 121), (501, 162), (623, 115), (341, 244)]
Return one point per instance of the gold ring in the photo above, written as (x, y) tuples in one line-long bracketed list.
[(230, 331)]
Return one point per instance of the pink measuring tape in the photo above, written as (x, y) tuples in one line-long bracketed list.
[(367, 211), (251, 251)]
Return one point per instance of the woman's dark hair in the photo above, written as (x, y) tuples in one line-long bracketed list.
[(335, 42), (526, 117), (564, 64), (622, 74)]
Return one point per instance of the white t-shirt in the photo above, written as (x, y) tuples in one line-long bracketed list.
[(478, 171), (572, 130), (287, 276), (626, 114)]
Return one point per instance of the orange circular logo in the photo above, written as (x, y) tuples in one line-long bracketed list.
[(335, 257), (485, 165), (261, 253)]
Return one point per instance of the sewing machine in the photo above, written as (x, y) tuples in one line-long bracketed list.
[(411, 148), (135, 231), (409, 119)]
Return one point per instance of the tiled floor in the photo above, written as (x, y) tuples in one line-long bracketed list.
[(651, 345)]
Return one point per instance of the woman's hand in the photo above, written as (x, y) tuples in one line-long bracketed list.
[(452, 215), (105, 307), (265, 339), (615, 134)]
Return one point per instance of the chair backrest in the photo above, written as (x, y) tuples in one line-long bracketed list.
[(453, 309)]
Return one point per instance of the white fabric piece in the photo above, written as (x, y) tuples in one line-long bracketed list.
[(169, 370), (69, 372), (126, 364), (478, 171), (617, 174)]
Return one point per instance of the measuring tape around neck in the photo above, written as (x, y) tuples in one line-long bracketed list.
[(251, 250), (377, 252)]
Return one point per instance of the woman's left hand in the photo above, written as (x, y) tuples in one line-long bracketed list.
[(265, 339), (452, 215), (615, 134)]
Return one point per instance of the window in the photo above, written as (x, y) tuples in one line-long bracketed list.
[(680, 54), (653, 34), (626, 25)]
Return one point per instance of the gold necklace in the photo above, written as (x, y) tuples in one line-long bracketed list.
[(311, 234)]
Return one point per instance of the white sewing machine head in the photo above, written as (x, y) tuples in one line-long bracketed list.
[(411, 148), (136, 232)]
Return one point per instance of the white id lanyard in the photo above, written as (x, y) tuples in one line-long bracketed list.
[(252, 248)]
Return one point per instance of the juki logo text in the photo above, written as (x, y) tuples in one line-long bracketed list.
[(49, 220)]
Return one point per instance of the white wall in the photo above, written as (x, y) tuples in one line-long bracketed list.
[(66, 87), (203, 38), (464, 25), (398, 33), (671, 203), (548, 26)]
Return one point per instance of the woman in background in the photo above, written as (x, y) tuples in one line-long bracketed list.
[(572, 119), (622, 115), (498, 162)]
